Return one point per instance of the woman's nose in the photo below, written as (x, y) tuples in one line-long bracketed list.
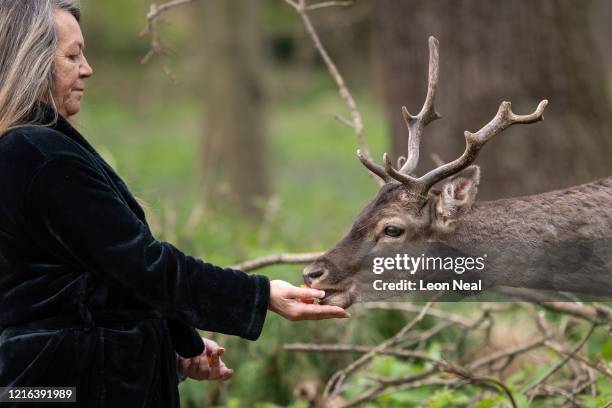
[(86, 70)]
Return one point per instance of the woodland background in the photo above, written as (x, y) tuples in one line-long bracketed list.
[(230, 141)]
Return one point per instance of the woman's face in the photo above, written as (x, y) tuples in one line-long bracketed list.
[(71, 67)]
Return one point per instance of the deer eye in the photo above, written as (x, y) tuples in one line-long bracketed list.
[(393, 231)]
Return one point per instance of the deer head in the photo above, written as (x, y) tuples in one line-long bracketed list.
[(407, 208)]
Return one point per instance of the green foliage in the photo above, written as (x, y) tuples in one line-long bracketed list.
[(447, 398), (487, 402)]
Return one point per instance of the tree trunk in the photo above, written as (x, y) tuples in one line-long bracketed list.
[(234, 139), (522, 51)]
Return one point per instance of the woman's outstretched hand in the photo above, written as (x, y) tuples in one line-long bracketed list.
[(206, 366), (285, 300)]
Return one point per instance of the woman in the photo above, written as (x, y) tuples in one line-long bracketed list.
[(88, 298)]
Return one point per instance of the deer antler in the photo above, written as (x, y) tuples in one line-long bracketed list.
[(415, 124), (475, 141), (373, 167)]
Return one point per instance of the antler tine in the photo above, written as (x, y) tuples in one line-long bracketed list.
[(415, 124), (373, 167), (396, 175), (475, 141), (401, 161)]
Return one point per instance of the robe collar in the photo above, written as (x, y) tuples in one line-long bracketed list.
[(43, 114)]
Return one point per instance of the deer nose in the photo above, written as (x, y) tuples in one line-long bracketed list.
[(312, 275)]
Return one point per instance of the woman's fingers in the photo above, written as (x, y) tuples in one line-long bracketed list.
[(319, 312), (205, 367), (304, 293), (215, 367), (198, 368), (208, 365), (225, 373), (211, 347), (284, 300), (213, 354)]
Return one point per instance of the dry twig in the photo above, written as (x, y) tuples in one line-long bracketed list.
[(277, 259), (302, 8), (560, 363), (155, 11)]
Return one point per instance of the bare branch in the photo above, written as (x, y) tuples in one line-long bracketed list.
[(277, 259), (409, 307), (413, 380), (326, 4), (507, 353), (560, 363), (333, 385), (302, 9), (348, 348), (344, 121), (594, 313), (153, 15), (463, 373), (599, 365)]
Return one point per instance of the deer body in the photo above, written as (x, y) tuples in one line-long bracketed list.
[(559, 240)]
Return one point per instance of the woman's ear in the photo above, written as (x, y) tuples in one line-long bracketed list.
[(456, 198)]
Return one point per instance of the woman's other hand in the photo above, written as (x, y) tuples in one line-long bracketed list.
[(206, 366), (285, 300)]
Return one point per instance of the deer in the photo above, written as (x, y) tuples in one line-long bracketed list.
[(409, 210)]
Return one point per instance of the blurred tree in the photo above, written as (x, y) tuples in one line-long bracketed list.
[(522, 51), (602, 32), (234, 138)]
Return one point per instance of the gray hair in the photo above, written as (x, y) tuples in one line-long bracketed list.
[(27, 50)]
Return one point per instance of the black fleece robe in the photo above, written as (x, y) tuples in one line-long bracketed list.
[(88, 297)]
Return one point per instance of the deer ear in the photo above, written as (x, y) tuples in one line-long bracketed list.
[(456, 198)]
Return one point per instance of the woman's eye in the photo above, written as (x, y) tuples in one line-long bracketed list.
[(393, 231)]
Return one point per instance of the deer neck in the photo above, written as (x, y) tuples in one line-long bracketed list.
[(580, 212)]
